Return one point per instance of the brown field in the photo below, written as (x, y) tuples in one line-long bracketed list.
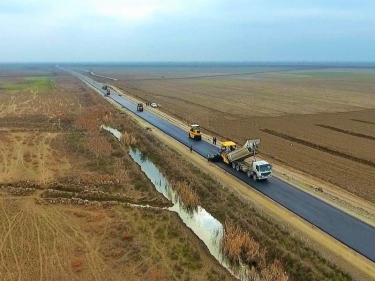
[(74, 223), (65, 186), (321, 122)]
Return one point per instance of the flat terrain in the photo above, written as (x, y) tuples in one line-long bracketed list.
[(69, 217), (320, 121), (66, 188)]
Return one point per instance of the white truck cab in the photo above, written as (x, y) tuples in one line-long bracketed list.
[(261, 170)]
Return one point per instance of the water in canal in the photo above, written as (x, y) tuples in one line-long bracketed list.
[(203, 224)]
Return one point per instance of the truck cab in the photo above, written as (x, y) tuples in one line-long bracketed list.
[(261, 170), (195, 132)]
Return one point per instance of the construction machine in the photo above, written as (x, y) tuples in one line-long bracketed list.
[(238, 159), (195, 132)]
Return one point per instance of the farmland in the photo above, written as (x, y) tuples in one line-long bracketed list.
[(65, 190), (317, 121), (69, 183)]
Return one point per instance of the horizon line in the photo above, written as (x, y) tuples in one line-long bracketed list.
[(195, 61)]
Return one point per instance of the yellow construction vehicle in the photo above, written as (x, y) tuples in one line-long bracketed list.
[(236, 157), (195, 132), (227, 147)]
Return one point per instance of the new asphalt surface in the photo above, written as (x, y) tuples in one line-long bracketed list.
[(352, 232)]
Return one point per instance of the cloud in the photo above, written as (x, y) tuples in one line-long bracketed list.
[(183, 29)]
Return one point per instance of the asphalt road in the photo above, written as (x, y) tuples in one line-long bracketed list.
[(352, 232)]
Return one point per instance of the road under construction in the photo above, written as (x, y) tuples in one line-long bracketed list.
[(352, 232)]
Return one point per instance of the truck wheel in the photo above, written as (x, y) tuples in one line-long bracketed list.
[(248, 174), (238, 167), (255, 178), (234, 165)]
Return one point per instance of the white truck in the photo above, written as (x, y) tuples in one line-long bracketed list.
[(238, 159)]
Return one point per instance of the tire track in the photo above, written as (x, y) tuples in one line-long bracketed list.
[(3, 264), (83, 241), (92, 255), (59, 227), (13, 250), (346, 132), (363, 121), (5, 163), (54, 232), (34, 220), (320, 147), (54, 224), (12, 223)]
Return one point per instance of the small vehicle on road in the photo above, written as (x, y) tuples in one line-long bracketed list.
[(140, 107)]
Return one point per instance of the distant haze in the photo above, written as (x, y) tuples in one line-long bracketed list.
[(186, 30)]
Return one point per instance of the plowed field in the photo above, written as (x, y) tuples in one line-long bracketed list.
[(318, 121)]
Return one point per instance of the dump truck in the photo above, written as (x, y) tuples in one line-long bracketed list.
[(140, 107), (195, 132), (238, 158)]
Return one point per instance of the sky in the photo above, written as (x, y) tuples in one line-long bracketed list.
[(186, 30)]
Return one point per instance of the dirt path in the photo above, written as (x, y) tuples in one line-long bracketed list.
[(359, 267), (45, 243)]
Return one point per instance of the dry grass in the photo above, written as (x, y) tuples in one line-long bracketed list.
[(92, 117), (60, 241), (186, 194), (127, 235), (77, 264), (240, 248), (128, 139), (156, 274)]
